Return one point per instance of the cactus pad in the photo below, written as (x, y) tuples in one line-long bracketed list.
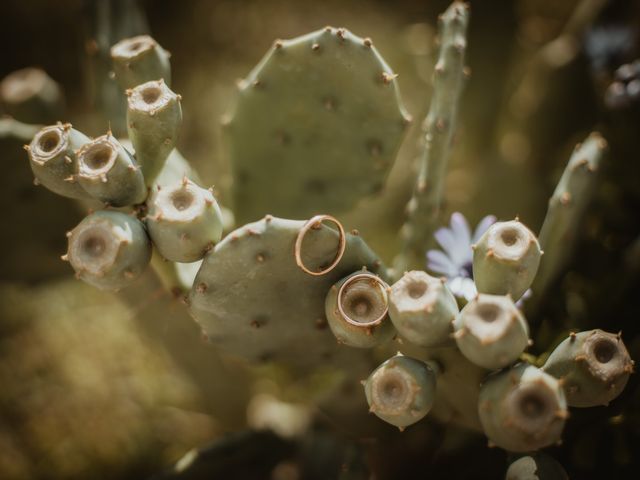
[(325, 121)]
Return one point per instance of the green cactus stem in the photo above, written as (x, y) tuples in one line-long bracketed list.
[(537, 466), (184, 221), (109, 173), (52, 156), (108, 250), (154, 117), (401, 391), (491, 331), (10, 128), (448, 81), (30, 95), (567, 207), (325, 120), (593, 366), (357, 308), (138, 60), (506, 259), (522, 409), (253, 300), (422, 309)]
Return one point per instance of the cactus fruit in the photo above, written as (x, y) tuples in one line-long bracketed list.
[(324, 115), (138, 60), (30, 95), (538, 466), (593, 366), (109, 250), (109, 173), (422, 309), (154, 117), (357, 308), (448, 81), (184, 221), (567, 206), (522, 409), (401, 391), (253, 300), (53, 159), (506, 259), (491, 331)]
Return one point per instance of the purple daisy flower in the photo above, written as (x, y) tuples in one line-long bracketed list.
[(456, 261)]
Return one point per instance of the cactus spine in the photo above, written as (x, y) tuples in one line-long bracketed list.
[(448, 81)]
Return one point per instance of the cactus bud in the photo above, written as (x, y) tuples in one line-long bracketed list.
[(356, 308), (537, 466), (522, 409), (154, 117), (491, 331), (422, 308), (401, 391), (184, 221), (506, 259), (138, 60), (106, 159), (594, 366), (53, 159), (30, 95), (109, 250)]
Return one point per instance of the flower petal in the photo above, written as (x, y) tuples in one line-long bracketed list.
[(483, 226), (468, 289), (440, 263), (444, 236)]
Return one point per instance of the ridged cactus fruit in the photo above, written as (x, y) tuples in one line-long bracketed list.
[(422, 309), (325, 120), (491, 331), (593, 366), (30, 95), (154, 117), (138, 60), (108, 172), (184, 221), (108, 249), (401, 391), (522, 409), (52, 156), (538, 466), (357, 309), (449, 77), (253, 300), (567, 207), (506, 259)]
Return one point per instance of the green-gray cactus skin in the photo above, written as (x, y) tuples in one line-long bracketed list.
[(30, 95), (422, 309), (401, 391), (108, 172), (52, 156), (506, 259), (154, 117), (593, 366), (252, 300), (184, 221), (109, 249), (325, 120), (522, 409), (138, 60), (491, 331), (356, 308), (567, 207), (537, 466), (448, 81)]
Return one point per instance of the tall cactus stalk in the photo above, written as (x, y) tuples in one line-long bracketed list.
[(567, 206), (449, 77)]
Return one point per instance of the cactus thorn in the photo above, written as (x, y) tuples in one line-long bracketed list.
[(490, 253), (340, 33), (70, 179), (367, 42), (68, 160), (565, 198), (387, 78), (315, 47), (65, 257), (277, 44), (401, 429), (355, 232)]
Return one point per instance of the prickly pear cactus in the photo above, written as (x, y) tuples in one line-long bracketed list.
[(325, 121)]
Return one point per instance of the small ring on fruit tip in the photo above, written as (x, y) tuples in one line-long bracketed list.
[(314, 223), (383, 286)]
